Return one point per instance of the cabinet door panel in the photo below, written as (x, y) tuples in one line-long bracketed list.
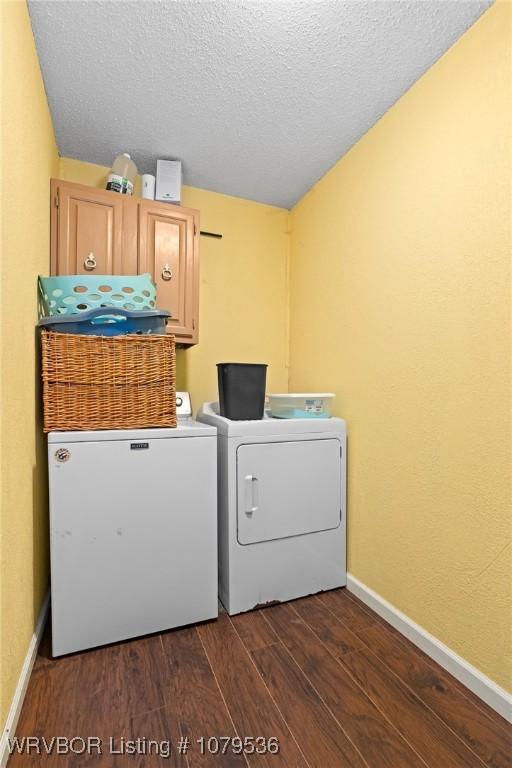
[(89, 232), (167, 251), (168, 261)]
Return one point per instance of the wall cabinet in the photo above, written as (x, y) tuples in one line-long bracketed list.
[(94, 231)]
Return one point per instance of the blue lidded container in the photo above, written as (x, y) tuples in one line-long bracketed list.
[(109, 321)]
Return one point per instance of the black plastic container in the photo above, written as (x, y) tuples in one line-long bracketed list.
[(242, 390)]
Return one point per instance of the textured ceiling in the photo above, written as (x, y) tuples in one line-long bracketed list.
[(257, 98)]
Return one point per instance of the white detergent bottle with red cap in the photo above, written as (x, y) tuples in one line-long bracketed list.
[(122, 175)]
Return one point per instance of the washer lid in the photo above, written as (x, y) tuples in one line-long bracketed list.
[(185, 428), (209, 414)]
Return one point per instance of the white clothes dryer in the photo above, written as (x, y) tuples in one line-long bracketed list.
[(281, 507)]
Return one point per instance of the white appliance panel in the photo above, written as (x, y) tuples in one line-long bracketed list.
[(280, 569), (288, 489), (133, 531)]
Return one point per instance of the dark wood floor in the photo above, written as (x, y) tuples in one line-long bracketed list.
[(324, 675)]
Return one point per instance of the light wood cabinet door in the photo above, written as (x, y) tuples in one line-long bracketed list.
[(87, 230), (168, 250)]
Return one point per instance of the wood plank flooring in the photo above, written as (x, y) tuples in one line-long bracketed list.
[(324, 675)]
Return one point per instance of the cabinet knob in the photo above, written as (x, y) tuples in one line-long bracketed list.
[(166, 272), (90, 262)]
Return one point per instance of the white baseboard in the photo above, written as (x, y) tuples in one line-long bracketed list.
[(21, 688), (487, 690)]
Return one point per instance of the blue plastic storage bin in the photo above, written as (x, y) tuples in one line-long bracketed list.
[(74, 294), (108, 321)]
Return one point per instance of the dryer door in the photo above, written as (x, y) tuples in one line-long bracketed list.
[(288, 488)]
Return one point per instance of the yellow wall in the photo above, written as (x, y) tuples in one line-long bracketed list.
[(244, 289), (29, 158), (400, 303)]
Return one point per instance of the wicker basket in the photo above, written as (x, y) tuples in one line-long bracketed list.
[(102, 382)]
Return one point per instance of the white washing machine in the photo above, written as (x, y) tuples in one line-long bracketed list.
[(282, 507), (133, 531)]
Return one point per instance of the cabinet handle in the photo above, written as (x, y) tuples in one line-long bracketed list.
[(90, 262), (166, 272)]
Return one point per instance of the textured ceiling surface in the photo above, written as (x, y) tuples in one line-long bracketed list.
[(257, 97)]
